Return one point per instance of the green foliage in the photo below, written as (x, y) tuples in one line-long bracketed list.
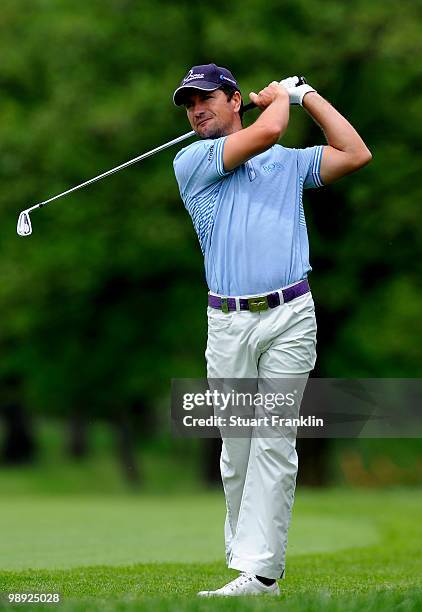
[(106, 301)]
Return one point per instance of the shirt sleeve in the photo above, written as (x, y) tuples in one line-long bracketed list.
[(200, 165), (309, 166)]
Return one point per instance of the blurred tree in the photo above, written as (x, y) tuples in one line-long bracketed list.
[(106, 301), (18, 445)]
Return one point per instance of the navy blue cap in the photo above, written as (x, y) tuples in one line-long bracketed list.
[(207, 77)]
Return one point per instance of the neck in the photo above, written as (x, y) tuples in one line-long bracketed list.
[(235, 127)]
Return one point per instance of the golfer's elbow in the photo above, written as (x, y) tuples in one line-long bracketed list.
[(271, 133), (274, 136), (359, 158), (363, 157)]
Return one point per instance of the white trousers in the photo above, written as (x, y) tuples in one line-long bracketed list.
[(259, 473)]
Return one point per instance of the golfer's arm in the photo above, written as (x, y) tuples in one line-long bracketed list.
[(258, 137), (346, 151)]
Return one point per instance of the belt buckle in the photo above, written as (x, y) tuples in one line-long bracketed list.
[(257, 304), (224, 305)]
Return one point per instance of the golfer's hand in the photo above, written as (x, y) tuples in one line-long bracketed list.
[(296, 94), (268, 95)]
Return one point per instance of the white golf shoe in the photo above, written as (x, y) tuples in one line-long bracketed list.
[(245, 584)]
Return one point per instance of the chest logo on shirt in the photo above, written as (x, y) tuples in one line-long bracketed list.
[(268, 168), (251, 170)]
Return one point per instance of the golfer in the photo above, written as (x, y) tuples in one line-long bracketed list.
[(244, 194)]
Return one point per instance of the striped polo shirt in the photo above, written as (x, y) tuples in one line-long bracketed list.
[(250, 221)]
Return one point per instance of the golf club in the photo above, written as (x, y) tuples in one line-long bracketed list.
[(24, 226)]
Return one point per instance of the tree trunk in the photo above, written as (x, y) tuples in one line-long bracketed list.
[(313, 461), (18, 446), (77, 441), (211, 450), (126, 450)]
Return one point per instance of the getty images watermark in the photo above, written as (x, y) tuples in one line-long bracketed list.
[(297, 406), (240, 408), (225, 402)]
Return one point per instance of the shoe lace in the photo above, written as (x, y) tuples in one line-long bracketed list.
[(240, 580)]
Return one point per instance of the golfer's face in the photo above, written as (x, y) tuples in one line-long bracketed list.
[(210, 113)]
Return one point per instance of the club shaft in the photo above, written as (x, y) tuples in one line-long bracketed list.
[(246, 108), (116, 169)]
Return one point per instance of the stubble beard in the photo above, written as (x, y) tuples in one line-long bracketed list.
[(214, 132), (212, 135)]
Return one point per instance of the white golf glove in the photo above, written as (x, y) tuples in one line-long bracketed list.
[(296, 94)]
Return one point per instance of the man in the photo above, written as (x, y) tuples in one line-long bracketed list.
[(244, 194)]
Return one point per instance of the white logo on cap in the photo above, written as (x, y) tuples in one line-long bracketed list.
[(224, 78), (192, 76)]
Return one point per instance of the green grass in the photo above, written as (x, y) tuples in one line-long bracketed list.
[(349, 550), (165, 465), (174, 465)]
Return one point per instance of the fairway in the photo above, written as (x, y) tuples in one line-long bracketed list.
[(348, 550), (72, 532)]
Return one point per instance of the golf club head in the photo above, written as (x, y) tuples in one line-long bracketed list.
[(24, 227)]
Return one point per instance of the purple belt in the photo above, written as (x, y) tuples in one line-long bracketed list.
[(256, 304)]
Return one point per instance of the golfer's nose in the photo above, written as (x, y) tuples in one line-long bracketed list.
[(199, 108)]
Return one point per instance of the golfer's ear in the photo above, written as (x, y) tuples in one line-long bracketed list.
[(236, 101)]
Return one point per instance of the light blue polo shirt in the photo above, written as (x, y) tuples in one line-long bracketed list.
[(250, 221)]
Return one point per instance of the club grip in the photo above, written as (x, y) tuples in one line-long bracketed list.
[(251, 105)]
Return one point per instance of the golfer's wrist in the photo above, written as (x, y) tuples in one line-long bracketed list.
[(309, 97), (297, 94)]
